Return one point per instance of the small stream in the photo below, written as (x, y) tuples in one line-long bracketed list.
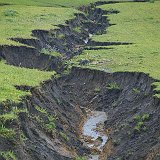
[(93, 132)]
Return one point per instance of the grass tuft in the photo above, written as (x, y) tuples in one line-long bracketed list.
[(6, 132), (8, 155), (111, 86), (10, 13), (11, 76), (64, 136)]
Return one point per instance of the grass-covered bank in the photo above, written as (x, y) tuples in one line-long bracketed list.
[(11, 76), (18, 21), (137, 23)]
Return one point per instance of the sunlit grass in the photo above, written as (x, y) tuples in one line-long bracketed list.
[(19, 20), (12, 76), (51, 3)]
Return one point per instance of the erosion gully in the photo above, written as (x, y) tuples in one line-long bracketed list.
[(93, 119)]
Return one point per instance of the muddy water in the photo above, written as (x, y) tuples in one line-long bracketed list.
[(93, 132)]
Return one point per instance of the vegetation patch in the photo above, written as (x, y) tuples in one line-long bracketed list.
[(136, 90), (50, 125), (7, 132), (8, 155), (47, 121), (111, 86), (97, 90), (50, 3), (6, 119), (41, 110), (80, 158), (140, 122), (48, 52), (64, 136), (15, 76), (18, 21), (77, 29), (10, 13)]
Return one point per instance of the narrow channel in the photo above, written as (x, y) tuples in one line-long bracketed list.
[(94, 135)]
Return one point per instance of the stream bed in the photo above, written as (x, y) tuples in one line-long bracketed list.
[(94, 135)]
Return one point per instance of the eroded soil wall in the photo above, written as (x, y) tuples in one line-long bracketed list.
[(67, 97)]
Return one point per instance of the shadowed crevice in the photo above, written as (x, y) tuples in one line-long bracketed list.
[(98, 48), (94, 43)]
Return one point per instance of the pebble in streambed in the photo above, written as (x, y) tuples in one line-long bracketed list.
[(93, 130)]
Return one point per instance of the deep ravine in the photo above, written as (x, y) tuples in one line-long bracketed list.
[(68, 98), (85, 113)]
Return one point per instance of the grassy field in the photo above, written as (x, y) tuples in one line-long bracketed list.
[(51, 3), (22, 16), (20, 20), (11, 76), (137, 23)]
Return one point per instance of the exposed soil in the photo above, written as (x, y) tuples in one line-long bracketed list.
[(69, 96), (93, 43), (133, 113)]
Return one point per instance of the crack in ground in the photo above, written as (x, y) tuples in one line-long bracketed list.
[(69, 40)]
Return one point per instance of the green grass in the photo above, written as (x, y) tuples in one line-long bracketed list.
[(7, 132), (11, 76), (137, 23), (20, 20), (112, 86), (50, 124), (12, 115), (64, 136), (47, 52), (136, 90), (51, 3), (140, 122), (8, 117), (8, 155), (41, 110), (81, 158)]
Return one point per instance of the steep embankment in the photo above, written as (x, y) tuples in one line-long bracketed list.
[(127, 98)]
